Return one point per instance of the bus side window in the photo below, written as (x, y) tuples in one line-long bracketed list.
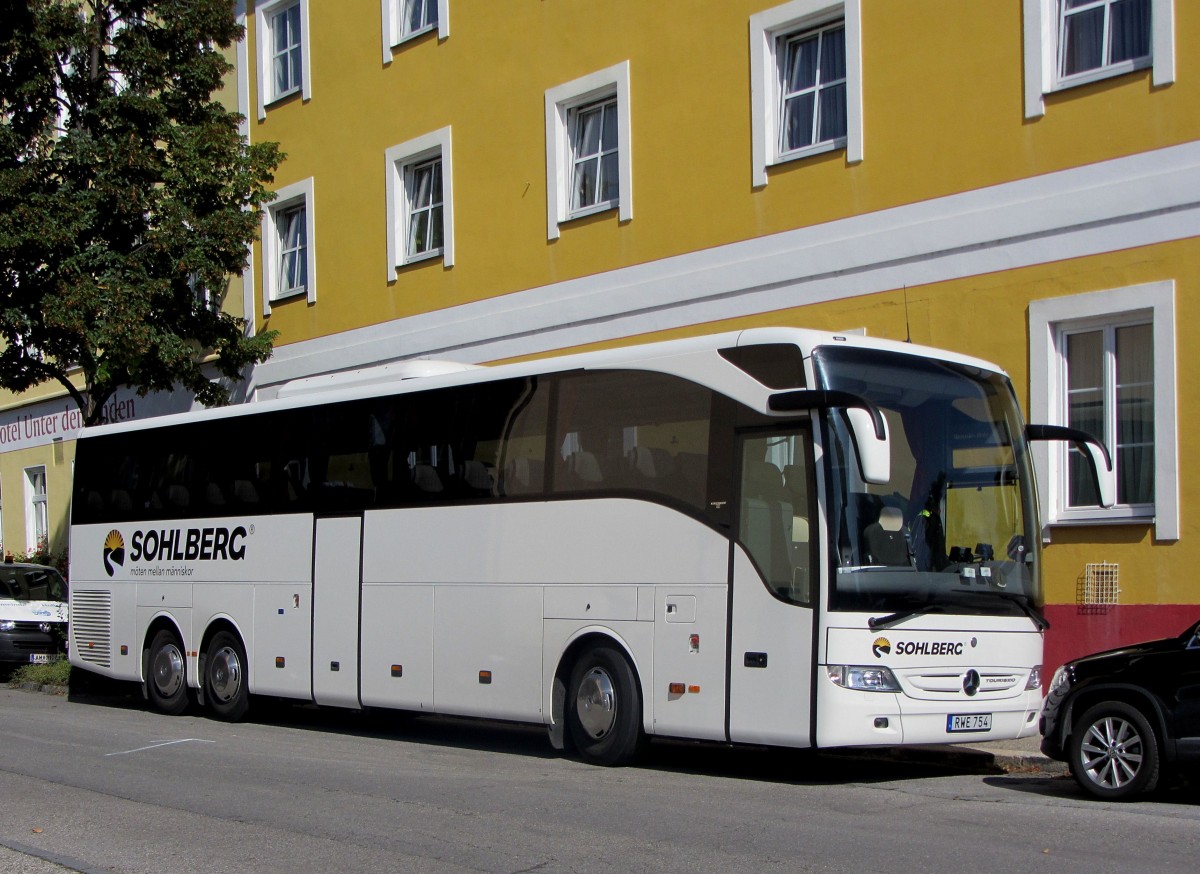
[(521, 454)]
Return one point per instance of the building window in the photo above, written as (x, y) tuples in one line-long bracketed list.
[(286, 74), (419, 16), (283, 52), (37, 530), (406, 19), (595, 180), (806, 86), (589, 161), (289, 263), (1099, 34), (1104, 363), (1108, 370), (1073, 42), (420, 201), (813, 89), (423, 190), (291, 225)]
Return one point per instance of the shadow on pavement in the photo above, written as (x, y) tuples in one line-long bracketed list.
[(775, 765)]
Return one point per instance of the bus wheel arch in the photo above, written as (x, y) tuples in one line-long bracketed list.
[(599, 701), (224, 672), (164, 668)]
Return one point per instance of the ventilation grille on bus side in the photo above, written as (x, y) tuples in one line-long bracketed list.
[(91, 627)]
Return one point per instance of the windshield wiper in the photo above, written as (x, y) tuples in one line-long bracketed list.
[(1022, 601), (877, 623)]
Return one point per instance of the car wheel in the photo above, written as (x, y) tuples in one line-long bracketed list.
[(1113, 752), (604, 707), (225, 688), (166, 674)]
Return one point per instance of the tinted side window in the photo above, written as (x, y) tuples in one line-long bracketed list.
[(632, 431)]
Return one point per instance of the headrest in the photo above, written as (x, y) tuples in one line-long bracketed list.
[(891, 519)]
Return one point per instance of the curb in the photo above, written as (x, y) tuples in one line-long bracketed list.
[(979, 758), (1016, 760), (43, 688)]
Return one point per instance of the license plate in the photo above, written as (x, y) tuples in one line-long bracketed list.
[(39, 658), (969, 722)]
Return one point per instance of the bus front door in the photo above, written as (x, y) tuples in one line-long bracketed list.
[(337, 575), (772, 573)]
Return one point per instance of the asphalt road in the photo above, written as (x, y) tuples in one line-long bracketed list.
[(101, 784)]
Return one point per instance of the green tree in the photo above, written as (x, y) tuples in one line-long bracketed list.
[(128, 197)]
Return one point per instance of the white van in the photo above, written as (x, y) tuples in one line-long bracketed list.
[(33, 614)]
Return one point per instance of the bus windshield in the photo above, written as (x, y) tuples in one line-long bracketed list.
[(952, 531)]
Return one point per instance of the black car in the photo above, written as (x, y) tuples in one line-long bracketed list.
[(1121, 718)]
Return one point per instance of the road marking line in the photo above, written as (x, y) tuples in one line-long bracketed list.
[(165, 743)]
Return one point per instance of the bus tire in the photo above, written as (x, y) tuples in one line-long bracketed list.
[(166, 674), (604, 707), (225, 681), (1113, 752)]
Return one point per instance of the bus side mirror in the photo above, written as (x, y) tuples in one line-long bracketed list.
[(1093, 450), (868, 427)]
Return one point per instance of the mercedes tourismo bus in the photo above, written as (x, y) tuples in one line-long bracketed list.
[(776, 537)]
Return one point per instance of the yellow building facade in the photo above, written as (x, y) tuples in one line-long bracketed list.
[(1017, 181)]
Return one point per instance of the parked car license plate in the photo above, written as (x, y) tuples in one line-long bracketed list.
[(42, 658), (969, 722)]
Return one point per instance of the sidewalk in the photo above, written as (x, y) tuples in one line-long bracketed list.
[(1018, 755)]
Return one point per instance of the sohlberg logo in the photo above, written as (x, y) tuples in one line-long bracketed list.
[(881, 647), (114, 551), (176, 544)]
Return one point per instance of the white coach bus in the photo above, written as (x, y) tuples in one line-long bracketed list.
[(776, 536)]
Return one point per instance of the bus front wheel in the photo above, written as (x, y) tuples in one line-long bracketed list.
[(225, 688), (604, 707), (166, 674)]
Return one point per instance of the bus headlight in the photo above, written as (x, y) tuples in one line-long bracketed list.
[(1035, 679), (864, 678)]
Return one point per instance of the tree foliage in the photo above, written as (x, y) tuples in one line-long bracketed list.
[(128, 197)]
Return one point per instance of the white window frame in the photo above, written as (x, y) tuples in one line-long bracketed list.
[(394, 34), (1154, 302), (37, 516), (560, 103), (262, 17), (397, 160), (286, 198), (1040, 20), (768, 30)]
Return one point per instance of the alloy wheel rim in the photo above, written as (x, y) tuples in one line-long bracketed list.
[(1111, 752)]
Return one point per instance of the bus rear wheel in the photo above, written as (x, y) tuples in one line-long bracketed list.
[(225, 688), (166, 674), (604, 707)]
